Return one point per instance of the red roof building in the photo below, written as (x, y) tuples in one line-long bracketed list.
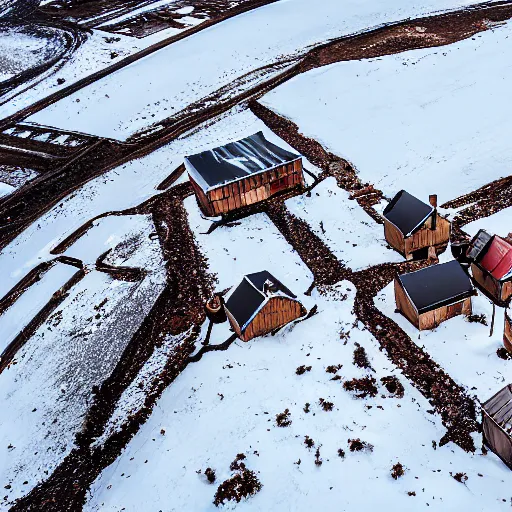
[(491, 266)]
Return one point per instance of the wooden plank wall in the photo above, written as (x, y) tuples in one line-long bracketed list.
[(507, 333), (202, 199), (278, 311), (394, 237), (433, 318), (404, 305), (506, 291), (427, 237), (253, 189), (486, 282)]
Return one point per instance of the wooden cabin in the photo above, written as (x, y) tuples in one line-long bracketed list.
[(507, 333), (434, 294), (242, 173), (411, 226), (259, 304), (497, 424), (491, 266)]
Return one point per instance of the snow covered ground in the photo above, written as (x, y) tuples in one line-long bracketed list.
[(499, 223), (465, 350), (226, 404), (133, 98), (118, 189), (45, 395), (21, 49), (342, 224), (14, 319), (428, 121)]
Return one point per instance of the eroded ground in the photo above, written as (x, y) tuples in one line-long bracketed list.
[(107, 263)]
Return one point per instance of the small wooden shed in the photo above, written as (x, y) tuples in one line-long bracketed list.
[(491, 266), (497, 424), (259, 304), (411, 226), (242, 173), (434, 294)]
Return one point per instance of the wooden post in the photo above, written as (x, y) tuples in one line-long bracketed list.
[(492, 320)]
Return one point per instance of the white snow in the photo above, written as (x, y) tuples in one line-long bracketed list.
[(499, 223), (190, 69), (257, 380), (465, 350), (15, 318), (428, 121), (354, 237), (253, 245), (6, 189)]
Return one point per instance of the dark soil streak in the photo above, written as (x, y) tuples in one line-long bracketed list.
[(450, 400), (28, 331), (440, 29)]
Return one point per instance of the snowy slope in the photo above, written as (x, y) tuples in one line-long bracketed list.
[(428, 121), (45, 395), (226, 404), (134, 97)]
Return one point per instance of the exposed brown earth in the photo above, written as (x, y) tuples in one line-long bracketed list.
[(450, 400), (31, 202), (179, 308)]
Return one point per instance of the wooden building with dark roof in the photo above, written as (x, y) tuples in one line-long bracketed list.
[(242, 173), (491, 265), (259, 304), (412, 226), (434, 294), (497, 424)]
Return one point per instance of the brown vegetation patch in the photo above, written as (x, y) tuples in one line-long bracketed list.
[(283, 419), (393, 385), (356, 445), (397, 471), (364, 387), (242, 485)]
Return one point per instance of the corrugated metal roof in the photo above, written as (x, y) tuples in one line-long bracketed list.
[(236, 160)]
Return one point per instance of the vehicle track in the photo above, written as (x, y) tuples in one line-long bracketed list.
[(29, 203)]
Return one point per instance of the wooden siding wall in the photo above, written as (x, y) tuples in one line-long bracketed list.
[(506, 291), (424, 237), (394, 237), (433, 318), (507, 333), (404, 305), (202, 199), (254, 189), (486, 282), (427, 237), (278, 311)]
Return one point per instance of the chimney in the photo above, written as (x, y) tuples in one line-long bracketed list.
[(269, 287), (432, 199)]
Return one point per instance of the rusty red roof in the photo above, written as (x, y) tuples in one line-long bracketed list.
[(498, 258)]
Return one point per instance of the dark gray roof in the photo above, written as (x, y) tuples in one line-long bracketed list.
[(236, 160), (481, 241), (249, 295), (499, 407), (437, 285), (407, 212)]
